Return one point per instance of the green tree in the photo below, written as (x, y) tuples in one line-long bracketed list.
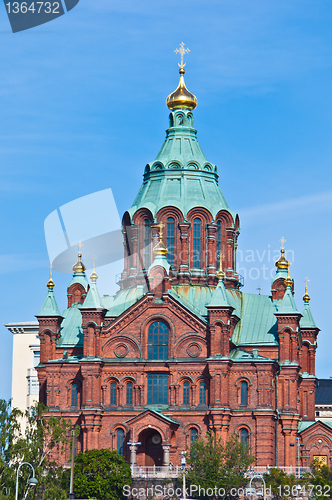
[(101, 474), (282, 485), (321, 480), (43, 435), (218, 466)]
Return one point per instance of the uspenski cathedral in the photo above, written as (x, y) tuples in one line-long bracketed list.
[(180, 348)]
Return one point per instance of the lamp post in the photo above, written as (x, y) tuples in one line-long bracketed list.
[(299, 445), (32, 481), (258, 476)]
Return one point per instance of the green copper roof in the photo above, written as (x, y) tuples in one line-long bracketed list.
[(71, 327), (219, 298), (288, 305), (281, 273), (92, 300), (81, 279), (50, 306), (160, 260), (123, 300), (307, 320), (180, 175)]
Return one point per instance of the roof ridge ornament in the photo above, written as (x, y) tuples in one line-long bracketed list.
[(288, 280), (181, 98), (50, 284), (306, 296), (94, 275)]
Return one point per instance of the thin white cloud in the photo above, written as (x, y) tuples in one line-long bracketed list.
[(11, 263)]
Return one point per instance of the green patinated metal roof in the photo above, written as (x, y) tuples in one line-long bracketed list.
[(304, 425), (180, 175), (81, 279), (92, 300), (123, 300), (288, 305), (219, 297), (71, 327), (50, 306), (240, 355), (307, 320)]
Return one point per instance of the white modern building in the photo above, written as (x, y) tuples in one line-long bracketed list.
[(26, 354)]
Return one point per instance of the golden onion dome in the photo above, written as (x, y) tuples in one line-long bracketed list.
[(160, 248), (79, 267), (50, 284), (288, 280), (282, 262), (181, 98), (306, 297), (94, 275)]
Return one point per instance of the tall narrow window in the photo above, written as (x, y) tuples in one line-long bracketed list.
[(146, 243), (74, 394), (244, 437), (119, 441), (157, 389), (218, 240), (129, 394), (186, 393), (158, 340), (244, 394), (113, 394), (197, 243), (202, 393), (170, 240), (193, 435)]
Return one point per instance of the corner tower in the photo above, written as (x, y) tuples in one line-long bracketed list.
[(180, 190)]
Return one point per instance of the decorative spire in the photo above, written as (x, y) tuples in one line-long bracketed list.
[(220, 273), (306, 296), (94, 275), (50, 284), (282, 262), (181, 98), (79, 267), (288, 280), (160, 248)]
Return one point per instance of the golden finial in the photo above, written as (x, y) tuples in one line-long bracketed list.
[(220, 273), (306, 296), (282, 262), (50, 284), (94, 275), (181, 98), (160, 248), (288, 280), (79, 267)]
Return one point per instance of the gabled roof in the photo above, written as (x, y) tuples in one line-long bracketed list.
[(92, 300), (158, 414), (219, 296), (307, 320), (71, 327), (81, 279), (288, 305)]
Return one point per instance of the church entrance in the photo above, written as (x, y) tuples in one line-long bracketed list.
[(153, 449)]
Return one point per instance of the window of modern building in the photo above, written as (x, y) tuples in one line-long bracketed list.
[(157, 388), (113, 394), (146, 243), (129, 394), (170, 234), (197, 243), (244, 394), (202, 393), (186, 393), (244, 436), (36, 358), (119, 441), (74, 395), (218, 240), (193, 435), (158, 340)]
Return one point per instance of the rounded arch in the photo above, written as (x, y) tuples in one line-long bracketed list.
[(144, 428), (182, 348), (121, 346), (128, 378), (192, 425), (174, 165), (74, 391), (200, 212), (184, 378), (145, 332), (141, 214), (226, 217)]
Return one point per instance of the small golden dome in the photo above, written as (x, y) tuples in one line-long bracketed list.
[(94, 275), (181, 98), (282, 262), (160, 248), (79, 267), (306, 297), (288, 280), (50, 284), (220, 273)]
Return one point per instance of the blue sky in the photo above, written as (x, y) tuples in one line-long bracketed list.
[(82, 108)]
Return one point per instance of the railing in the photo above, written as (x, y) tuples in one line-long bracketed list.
[(165, 472)]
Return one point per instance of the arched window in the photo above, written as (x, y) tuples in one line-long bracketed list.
[(193, 435), (202, 393), (74, 395), (244, 394), (158, 340), (218, 239), (129, 394), (244, 437), (146, 243), (197, 243), (119, 441), (186, 393), (170, 240), (113, 394)]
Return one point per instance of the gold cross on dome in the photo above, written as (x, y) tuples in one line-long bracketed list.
[(94, 258), (51, 267), (181, 51), (79, 245), (282, 241), (161, 226), (306, 280)]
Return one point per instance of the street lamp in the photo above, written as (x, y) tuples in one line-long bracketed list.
[(258, 476), (32, 481), (299, 446)]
